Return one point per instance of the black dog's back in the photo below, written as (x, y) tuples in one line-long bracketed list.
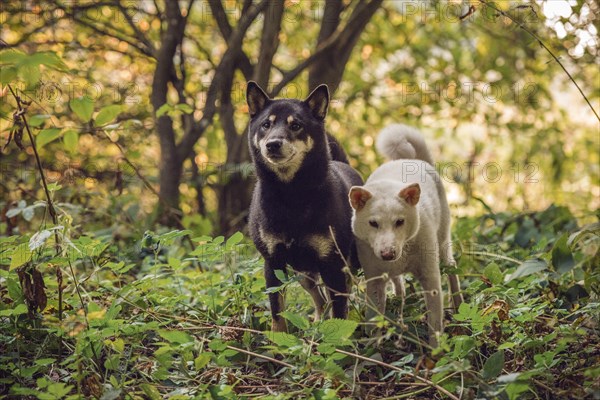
[(336, 150)]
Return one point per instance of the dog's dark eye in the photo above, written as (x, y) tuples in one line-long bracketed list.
[(295, 126), (374, 224), (266, 125), (399, 223)]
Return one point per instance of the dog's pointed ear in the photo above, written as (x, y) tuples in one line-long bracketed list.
[(358, 197), (411, 194), (318, 101), (256, 98)]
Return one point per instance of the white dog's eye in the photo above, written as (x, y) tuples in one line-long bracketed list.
[(374, 224), (399, 223)]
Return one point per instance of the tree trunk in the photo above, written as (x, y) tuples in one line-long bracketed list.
[(171, 165)]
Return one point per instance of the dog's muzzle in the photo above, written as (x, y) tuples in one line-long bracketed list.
[(388, 254), (274, 147)]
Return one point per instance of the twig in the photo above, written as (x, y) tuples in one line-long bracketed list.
[(536, 37), (251, 353), (485, 253), (51, 210), (415, 376), (21, 111)]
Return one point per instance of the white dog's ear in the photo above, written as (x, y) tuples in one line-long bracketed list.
[(359, 197), (256, 98), (318, 101), (411, 194)]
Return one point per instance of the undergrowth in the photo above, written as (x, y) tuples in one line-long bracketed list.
[(163, 318)]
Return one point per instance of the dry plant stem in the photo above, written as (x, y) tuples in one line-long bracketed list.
[(53, 215), (536, 37), (51, 209), (251, 353), (417, 377)]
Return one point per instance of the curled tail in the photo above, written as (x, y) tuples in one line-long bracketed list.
[(398, 141)]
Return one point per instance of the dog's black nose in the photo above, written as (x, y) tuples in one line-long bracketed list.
[(388, 255), (274, 145)]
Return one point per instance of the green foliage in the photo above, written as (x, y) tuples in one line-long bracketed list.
[(197, 317)]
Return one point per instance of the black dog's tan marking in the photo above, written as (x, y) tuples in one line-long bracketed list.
[(303, 183)]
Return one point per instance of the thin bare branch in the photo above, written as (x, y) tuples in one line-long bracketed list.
[(537, 38)]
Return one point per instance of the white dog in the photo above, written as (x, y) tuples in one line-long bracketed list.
[(401, 221)]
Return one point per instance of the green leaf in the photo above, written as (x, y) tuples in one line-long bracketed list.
[(493, 273), (29, 74), (326, 348), (527, 268), (37, 120), (71, 140), (337, 330), (234, 239), (21, 255), (47, 58), (46, 136), (7, 75), (514, 389), (107, 114), (175, 336), (174, 262), (83, 107), (493, 366), (151, 391), (507, 345), (281, 275), (295, 319), (202, 360), (18, 310), (11, 57), (283, 339), (162, 110), (14, 289), (562, 257), (217, 345), (184, 108)]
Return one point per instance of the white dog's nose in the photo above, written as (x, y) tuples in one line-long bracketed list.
[(388, 254)]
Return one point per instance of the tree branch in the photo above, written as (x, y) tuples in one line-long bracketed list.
[(269, 42), (242, 60), (225, 68), (116, 34), (138, 34), (331, 19), (328, 61)]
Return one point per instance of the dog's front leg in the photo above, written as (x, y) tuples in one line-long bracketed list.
[(309, 282), (432, 285), (375, 296), (399, 288), (338, 289), (276, 298)]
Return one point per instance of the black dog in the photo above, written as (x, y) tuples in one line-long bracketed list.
[(302, 190)]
